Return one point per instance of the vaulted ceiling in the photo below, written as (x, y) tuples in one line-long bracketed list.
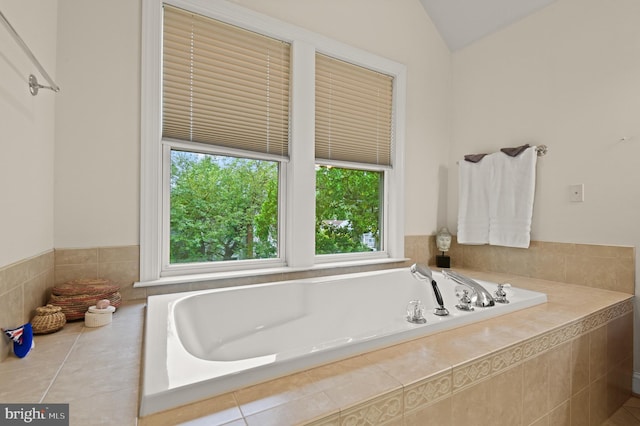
[(461, 22)]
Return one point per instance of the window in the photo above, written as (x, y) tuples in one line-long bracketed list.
[(225, 89), (231, 128), (222, 208), (348, 210), (353, 111)]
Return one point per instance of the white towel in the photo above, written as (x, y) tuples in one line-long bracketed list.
[(474, 189), (495, 199), (513, 185)]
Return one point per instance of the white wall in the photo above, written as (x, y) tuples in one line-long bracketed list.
[(97, 124), (567, 77), (26, 132)]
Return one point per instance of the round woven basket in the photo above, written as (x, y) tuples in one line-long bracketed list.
[(75, 297), (48, 319)]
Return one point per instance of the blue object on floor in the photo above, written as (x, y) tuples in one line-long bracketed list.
[(22, 339)]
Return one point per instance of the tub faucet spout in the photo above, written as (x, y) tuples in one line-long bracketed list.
[(423, 273), (481, 296)]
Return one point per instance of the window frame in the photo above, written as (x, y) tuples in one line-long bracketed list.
[(297, 176), (177, 269)]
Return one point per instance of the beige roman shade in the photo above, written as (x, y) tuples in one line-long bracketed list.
[(224, 85), (353, 112)]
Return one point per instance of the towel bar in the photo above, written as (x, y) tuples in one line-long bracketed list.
[(34, 86)]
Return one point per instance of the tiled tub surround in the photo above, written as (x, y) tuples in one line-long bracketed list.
[(568, 362), (24, 286), (600, 266), (565, 362)]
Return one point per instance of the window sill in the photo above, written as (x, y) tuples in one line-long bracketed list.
[(213, 276)]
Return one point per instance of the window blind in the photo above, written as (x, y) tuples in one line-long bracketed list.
[(224, 85), (353, 112)]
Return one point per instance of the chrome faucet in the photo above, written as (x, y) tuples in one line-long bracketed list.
[(481, 297), (423, 273)]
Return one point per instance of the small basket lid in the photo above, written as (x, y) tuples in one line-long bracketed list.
[(108, 310), (47, 310)]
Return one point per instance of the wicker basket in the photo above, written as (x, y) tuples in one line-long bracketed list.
[(75, 297), (48, 319)]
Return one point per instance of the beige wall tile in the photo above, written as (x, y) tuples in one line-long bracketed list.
[(507, 397), (619, 379), (625, 275), (580, 348), (549, 266), (76, 256), (333, 420), (122, 273), (598, 402), (438, 413), (472, 406), (604, 251), (536, 388), (607, 267), (219, 410), (580, 407), (119, 254), (514, 261), (416, 248), (35, 294), (597, 353), (585, 271), (427, 391), (23, 287), (543, 421), (470, 373), (64, 273), (17, 273), (298, 411), (5, 284), (289, 388), (385, 410), (561, 415), (619, 339), (559, 359), (11, 315)]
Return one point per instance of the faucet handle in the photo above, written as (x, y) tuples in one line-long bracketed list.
[(415, 312), (464, 300), (501, 295)]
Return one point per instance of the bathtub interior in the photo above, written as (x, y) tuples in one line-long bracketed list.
[(210, 342)]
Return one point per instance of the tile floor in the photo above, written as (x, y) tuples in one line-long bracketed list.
[(96, 371), (627, 415)]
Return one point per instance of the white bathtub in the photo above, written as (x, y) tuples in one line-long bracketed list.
[(204, 343)]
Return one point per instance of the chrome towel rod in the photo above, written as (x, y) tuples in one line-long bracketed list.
[(541, 150), (34, 86)]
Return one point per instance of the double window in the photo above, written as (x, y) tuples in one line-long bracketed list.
[(264, 146)]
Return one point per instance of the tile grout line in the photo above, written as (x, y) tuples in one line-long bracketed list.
[(55, 376)]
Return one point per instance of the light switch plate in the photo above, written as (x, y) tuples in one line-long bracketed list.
[(577, 192)]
